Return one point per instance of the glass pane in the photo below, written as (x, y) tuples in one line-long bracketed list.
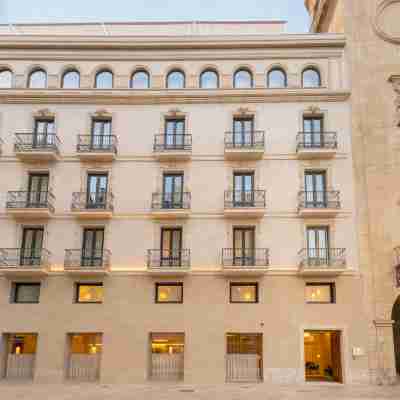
[(71, 80), (104, 80), (243, 79), (6, 79), (140, 80), (209, 80), (243, 293), (86, 343), (249, 240), (90, 293), (311, 240), (38, 80), (99, 242), (22, 344), (318, 294), (169, 293), (176, 243), (276, 79), (311, 78), (27, 293), (176, 80), (88, 243)]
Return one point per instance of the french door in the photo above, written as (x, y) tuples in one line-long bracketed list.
[(315, 189), (38, 187), (31, 248), (243, 189), (171, 247), (243, 246), (92, 247), (172, 191), (174, 133), (44, 133), (243, 132), (100, 139), (97, 186), (313, 132), (318, 245)]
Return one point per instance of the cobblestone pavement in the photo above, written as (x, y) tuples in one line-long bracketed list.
[(15, 391)]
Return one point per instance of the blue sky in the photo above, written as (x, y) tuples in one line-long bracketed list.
[(14, 11)]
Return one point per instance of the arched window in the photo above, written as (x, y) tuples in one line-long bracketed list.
[(104, 79), (71, 79), (209, 79), (242, 79), (6, 79), (176, 79), (37, 79), (276, 78), (311, 78), (140, 80)]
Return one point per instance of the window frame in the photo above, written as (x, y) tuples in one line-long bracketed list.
[(163, 284), (138, 71), (33, 71), (251, 78), (332, 286), (204, 72), (317, 71), (285, 83), (174, 71), (14, 292), (238, 284), (79, 284), (99, 73), (66, 72)]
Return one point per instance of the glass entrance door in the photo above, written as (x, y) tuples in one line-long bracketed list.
[(243, 189), (97, 186), (31, 248), (44, 133), (243, 132), (174, 134), (318, 245), (100, 138), (38, 186), (243, 246), (171, 247), (92, 247), (313, 132), (315, 188), (173, 191)]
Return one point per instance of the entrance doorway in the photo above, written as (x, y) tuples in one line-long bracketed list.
[(322, 356), (396, 333)]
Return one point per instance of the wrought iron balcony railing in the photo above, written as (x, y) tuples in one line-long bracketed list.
[(397, 266), (322, 257), (35, 142), (245, 140), (243, 258), (76, 259), (164, 259), (24, 258), (319, 199), (245, 199), (316, 140), (97, 144), (30, 199), (92, 201), (172, 143), (171, 201)]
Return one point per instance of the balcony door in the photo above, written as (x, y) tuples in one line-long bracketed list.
[(243, 189), (315, 188), (243, 131), (100, 138), (313, 131), (92, 247), (38, 187), (172, 191), (31, 247), (97, 186), (171, 247), (44, 133), (244, 246), (174, 133), (318, 245)]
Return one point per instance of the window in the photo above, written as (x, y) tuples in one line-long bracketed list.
[(320, 293), (169, 292), (243, 292), (318, 245), (38, 190), (44, 133), (25, 293), (6, 79), (244, 246), (104, 80), (71, 80), (276, 78), (243, 131), (92, 247), (315, 189), (174, 133), (243, 189), (100, 135), (140, 80), (89, 293), (176, 80), (97, 187), (313, 128), (172, 191), (209, 79), (242, 79), (171, 247), (31, 248), (311, 78), (37, 79)]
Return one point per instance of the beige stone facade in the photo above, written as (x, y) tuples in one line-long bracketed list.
[(240, 215)]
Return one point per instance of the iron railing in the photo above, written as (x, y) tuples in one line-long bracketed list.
[(97, 143), (316, 140), (164, 259), (76, 259), (165, 142), (171, 201), (322, 257), (245, 140), (319, 199), (24, 258), (31, 142), (30, 199), (95, 201), (245, 257), (397, 266), (244, 199)]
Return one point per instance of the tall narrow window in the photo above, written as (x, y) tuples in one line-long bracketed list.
[(173, 190), (44, 133), (171, 246), (243, 79), (71, 80), (315, 189), (209, 79), (243, 131), (311, 78), (92, 247), (104, 80), (140, 80), (244, 246), (38, 190), (276, 78), (101, 138), (37, 79), (318, 245), (31, 247), (243, 189), (313, 128), (176, 80), (97, 186), (6, 79), (174, 134)]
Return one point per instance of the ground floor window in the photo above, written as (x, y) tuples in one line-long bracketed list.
[(169, 292), (25, 292), (320, 293), (243, 292), (89, 292)]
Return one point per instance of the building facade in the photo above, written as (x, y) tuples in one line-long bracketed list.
[(177, 203), (372, 34)]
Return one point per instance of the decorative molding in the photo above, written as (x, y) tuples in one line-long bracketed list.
[(44, 113), (395, 81), (383, 323), (244, 112), (313, 110), (102, 114), (378, 23)]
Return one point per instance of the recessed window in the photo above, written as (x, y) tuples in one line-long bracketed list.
[(244, 293), (104, 80), (26, 292), (6, 78), (320, 293), (71, 80), (209, 79), (169, 292), (140, 80), (276, 79), (176, 80), (242, 79), (37, 79), (89, 293), (311, 78)]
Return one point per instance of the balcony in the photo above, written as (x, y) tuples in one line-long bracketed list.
[(37, 147), (83, 262), (242, 146), (397, 267), (170, 205), (239, 262), (96, 205), (168, 262), (24, 262), (97, 147), (319, 204), (316, 145), (244, 204), (172, 147), (30, 205), (322, 262)]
